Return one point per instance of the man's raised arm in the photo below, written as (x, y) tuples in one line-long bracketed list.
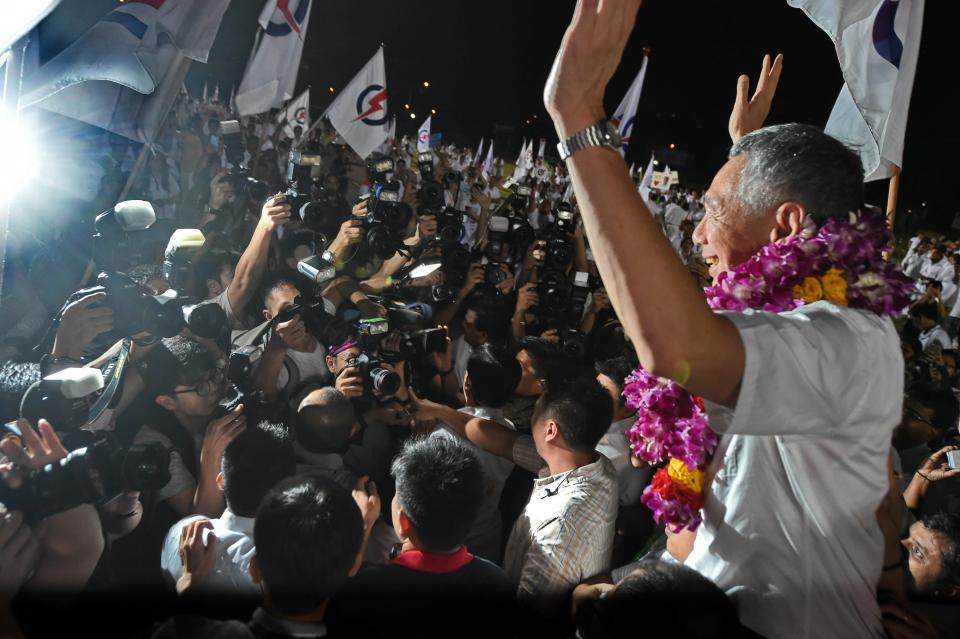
[(253, 263), (675, 333)]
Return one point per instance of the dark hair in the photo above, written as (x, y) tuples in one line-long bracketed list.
[(209, 267), (493, 375), (175, 361), (948, 524), (544, 355), (663, 595), (308, 532), (581, 408), (492, 318), (946, 409), (930, 310), (439, 486), (253, 463), (324, 424), (15, 379), (273, 286), (799, 162), (617, 369)]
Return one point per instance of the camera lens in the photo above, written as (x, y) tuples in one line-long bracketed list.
[(384, 382)]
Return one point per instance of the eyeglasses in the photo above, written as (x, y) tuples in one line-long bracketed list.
[(205, 387), (914, 415)]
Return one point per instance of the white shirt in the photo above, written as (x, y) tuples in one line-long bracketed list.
[(790, 529), (615, 446), (565, 532), (486, 534), (461, 355), (935, 335), (312, 366), (231, 566), (941, 271)]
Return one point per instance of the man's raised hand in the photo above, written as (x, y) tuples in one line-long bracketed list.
[(589, 54), (749, 114)]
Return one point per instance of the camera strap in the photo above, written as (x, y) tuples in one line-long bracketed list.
[(113, 380)]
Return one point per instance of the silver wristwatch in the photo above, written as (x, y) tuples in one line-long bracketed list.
[(603, 133)]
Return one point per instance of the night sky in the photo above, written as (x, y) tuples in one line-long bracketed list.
[(487, 61)]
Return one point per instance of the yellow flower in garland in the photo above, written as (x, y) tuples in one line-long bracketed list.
[(679, 472), (834, 287), (809, 291)]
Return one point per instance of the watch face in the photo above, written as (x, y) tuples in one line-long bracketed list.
[(613, 134)]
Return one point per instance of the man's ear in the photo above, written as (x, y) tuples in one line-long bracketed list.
[(220, 481), (790, 219), (166, 401), (406, 526), (552, 432), (267, 315)]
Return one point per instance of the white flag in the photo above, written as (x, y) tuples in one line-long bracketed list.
[(543, 148), (477, 158), (626, 114), (297, 113), (488, 163), (877, 43), (124, 72), (647, 181), (518, 169), (204, 99), (359, 113), (631, 168), (272, 70), (423, 135), (216, 93), (528, 157)]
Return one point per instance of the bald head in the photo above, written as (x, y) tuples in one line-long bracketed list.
[(325, 421)]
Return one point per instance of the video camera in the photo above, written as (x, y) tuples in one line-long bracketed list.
[(387, 217), (97, 469), (159, 315), (239, 175), (562, 303)]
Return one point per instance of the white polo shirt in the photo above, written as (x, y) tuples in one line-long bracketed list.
[(790, 530)]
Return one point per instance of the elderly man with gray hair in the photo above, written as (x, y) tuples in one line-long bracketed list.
[(803, 400)]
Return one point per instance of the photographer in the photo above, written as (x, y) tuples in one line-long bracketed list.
[(232, 288), (183, 389), (290, 342), (58, 553)]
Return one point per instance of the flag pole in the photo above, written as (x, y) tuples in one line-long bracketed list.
[(157, 111), (892, 191), (12, 83)]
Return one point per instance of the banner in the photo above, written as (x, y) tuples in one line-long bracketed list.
[(359, 113), (271, 73), (124, 72), (877, 43)]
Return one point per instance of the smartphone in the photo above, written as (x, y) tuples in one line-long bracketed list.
[(953, 458)]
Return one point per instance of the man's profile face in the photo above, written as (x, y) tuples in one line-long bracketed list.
[(727, 234), (200, 398), (916, 426), (925, 551)]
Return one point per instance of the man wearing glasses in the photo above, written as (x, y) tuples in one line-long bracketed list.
[(183, 387)]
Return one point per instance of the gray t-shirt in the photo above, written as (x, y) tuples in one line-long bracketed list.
[(180, 477)]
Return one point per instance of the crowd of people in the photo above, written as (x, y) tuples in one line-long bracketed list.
[(283, 391)]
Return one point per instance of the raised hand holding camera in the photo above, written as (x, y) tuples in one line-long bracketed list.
[(80, 324), (275, 212)]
